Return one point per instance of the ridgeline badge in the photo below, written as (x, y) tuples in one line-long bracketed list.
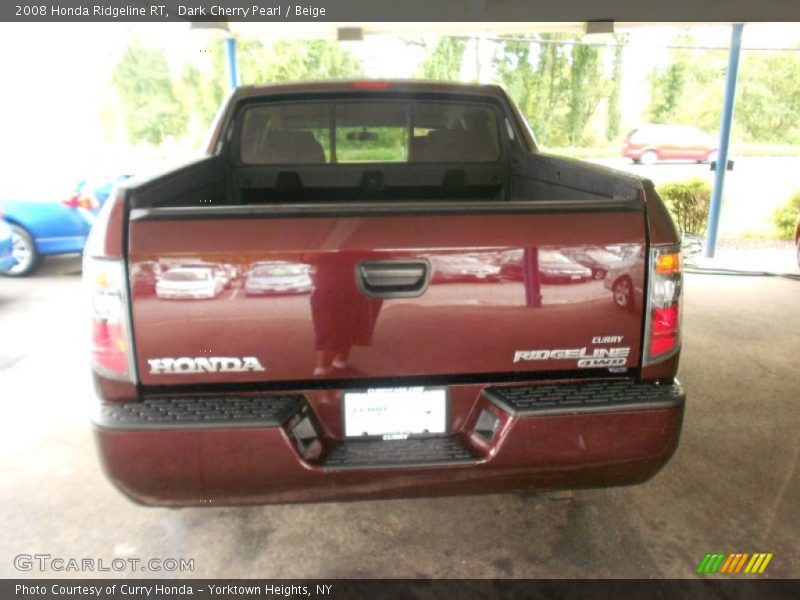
[(599, 357)]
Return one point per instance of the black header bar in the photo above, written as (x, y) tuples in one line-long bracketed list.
[(369, 11)]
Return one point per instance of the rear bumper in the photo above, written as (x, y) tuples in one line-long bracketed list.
[(219, 451)]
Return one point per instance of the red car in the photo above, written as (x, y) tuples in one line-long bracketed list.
[(651, 143), (378, 382)]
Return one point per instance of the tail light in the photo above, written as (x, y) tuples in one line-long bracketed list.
[(663, 319), (82, 201), (111, 340)]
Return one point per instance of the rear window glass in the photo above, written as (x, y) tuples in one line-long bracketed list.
[(316, 133)]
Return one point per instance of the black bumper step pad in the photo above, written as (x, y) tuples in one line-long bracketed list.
[(415, 452), (594, 396), (200, 412)]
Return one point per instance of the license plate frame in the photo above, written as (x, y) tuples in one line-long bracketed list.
[(395, 413)]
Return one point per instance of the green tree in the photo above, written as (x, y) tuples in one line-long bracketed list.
[(202, 91), (690, 89), (444, 62), (613, 116), (705, 89), (536, 76), (290, 60), (588, 86), (557, 83), (666, 90), (150, 107), (688, 202), (785, 217), (768, 104)]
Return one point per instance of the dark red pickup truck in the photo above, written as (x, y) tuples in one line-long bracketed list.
[(375, 289)]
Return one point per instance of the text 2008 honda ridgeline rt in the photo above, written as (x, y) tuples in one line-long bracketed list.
[(375, 289)]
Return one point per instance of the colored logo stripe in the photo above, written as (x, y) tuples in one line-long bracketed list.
[(758, 563), (720, 562), (710, 563), (734, 563)]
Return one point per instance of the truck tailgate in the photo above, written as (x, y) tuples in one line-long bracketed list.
[(257, 294)]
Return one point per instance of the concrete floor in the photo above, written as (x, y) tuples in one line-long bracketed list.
[(732, 486)]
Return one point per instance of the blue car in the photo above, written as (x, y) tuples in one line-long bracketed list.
[(47, 227), (93, 193), (7, 259)]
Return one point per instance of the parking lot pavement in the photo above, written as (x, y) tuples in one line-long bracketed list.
[(732, 486), (776, 257)]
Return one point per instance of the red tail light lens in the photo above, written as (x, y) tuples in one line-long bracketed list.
[(663, 328), (108, 347), (111, 350), (89, 201), (82, 201)]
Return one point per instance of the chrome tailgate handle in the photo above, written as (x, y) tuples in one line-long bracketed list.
[(393, 278)]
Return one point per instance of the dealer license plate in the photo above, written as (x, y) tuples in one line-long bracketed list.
[(395, 413)]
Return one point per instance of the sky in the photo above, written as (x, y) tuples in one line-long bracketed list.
[(56, 84)]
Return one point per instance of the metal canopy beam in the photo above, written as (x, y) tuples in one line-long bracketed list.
[(233, 65), (329, 30), (724, 139)]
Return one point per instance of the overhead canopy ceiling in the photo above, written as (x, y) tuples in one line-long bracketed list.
[(331, 30), (470, 17)]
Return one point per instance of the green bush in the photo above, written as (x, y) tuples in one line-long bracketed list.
[(688, 202), (785, 216)]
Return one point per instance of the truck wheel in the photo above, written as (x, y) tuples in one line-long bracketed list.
[(648, 157), (623, 293), (28, 258)]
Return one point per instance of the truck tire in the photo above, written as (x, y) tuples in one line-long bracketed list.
[(28, 258)]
